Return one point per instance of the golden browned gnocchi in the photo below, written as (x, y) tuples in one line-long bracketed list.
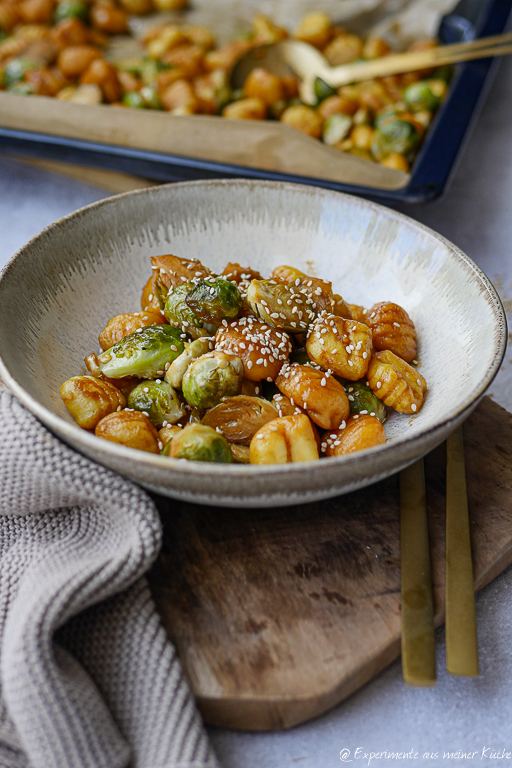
[(236, 367), (262, 349), (88, 399), (130, 428), (392, 329), (396, 383), (359, 433), (342, 346), (317, 392), (284, 440)]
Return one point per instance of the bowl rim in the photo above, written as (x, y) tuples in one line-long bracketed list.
[(75, 434)]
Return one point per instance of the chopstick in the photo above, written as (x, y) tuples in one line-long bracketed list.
[(418, 638), (394, 64), (461, 636)]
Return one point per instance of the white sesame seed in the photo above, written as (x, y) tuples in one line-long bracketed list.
[(414, 407), (379, 384)]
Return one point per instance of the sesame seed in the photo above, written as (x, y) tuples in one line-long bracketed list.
[(145, 389), (397, 324), (414, 407), (379, 384)]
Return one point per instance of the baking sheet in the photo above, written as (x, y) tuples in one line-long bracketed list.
[(267, 145)]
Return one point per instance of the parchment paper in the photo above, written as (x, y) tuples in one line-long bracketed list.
[(258, 144)]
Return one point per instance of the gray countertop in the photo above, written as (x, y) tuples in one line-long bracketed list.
[(474, 716)]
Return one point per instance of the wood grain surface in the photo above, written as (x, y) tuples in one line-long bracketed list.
[(279, 614)]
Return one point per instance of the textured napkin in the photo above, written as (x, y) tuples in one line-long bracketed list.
[(88, 678)]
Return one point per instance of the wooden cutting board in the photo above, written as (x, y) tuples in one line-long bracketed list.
[(279, 614)]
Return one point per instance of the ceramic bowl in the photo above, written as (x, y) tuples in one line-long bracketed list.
[(60, 289)]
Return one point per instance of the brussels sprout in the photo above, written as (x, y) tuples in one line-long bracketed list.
[(71, 9), (362, 400), (150, 97), (395, 136), (134, 100), (279, 305), (158, 400), (22, 89), (178, 311), (420, 96), (214, 300), (176, 371), (211, 377), (16, 70), (239, 418), (322, 89), (336, 128), (197, 442), (143, 353)]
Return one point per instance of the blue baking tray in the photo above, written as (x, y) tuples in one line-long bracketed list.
[(431, 170)]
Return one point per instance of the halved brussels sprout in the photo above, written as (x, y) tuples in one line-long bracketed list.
[(194, 349), (336, 128), (16, 69), (214, 300), (420, 96), (211, 377), (394, 136), (362, 400), (197, 442), (177, 310), (158, 400), (239, 418), (143, 353)]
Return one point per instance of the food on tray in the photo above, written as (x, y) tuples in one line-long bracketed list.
[(238, 368), (60, 49)]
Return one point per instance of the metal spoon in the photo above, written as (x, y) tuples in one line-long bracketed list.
[(301, 59)]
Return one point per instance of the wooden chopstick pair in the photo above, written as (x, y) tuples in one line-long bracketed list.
[(418, 637)]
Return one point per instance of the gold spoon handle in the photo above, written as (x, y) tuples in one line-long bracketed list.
[(461, 636), (415, 60), (418, 638)]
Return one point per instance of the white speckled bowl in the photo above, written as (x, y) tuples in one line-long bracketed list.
[(60, 289)]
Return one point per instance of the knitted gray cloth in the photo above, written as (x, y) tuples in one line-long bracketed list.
[(88, 678)]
